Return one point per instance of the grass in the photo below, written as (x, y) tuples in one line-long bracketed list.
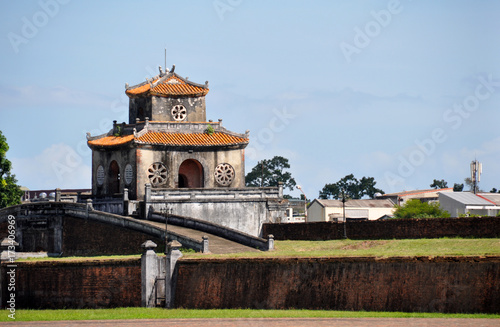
[(158, 313), (348, 248), (375, 248)]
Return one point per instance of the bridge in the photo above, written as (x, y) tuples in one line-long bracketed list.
[(65, 228)]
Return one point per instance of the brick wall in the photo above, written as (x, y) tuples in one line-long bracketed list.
[(420, 284), (387, 229), (83, 284), (84, 237)]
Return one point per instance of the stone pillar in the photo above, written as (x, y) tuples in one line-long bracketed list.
[(147, 199), (125, 202), (205, 244), (270, 242), (173, 255), (280, 189), (149, 273), (58, 195), (58, 234)]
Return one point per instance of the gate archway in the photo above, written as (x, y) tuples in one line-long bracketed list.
[(191, 174)]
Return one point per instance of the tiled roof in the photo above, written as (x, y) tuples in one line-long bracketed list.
[(190, 139), (112, 140), (172, 85), (173, 139)]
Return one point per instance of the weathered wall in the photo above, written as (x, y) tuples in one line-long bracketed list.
[(85, 237), (387, 229), (418, 284), (88, 284)]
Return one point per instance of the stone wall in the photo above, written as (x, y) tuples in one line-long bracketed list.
[(416, 284), (83, 284), (86, 237), (387, 229)]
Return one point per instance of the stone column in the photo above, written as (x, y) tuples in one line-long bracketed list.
[(149, 273), (173, 255), (270, 242), (147, 199)]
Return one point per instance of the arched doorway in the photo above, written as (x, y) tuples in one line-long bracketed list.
[(114, 178), (190, 174)]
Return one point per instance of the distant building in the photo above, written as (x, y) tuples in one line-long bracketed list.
[(463, 203), (66, 195), (430, 195), (332, 210), (295, 212)]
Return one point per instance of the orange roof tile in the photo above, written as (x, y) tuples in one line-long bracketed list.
[(112, 140), (170, 86), (173, 139), (191, 139)]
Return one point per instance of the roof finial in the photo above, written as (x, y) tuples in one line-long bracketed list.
[(173, 68)]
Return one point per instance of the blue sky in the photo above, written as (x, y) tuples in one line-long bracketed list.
[(402, 91)]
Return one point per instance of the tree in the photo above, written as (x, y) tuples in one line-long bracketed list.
[(458, 187), (352, 187), (270, 173), (439, 184), (494, 190), (10, 192), (414, 208)]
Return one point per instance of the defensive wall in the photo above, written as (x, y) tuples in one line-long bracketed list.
[(487, 227), (412, 284)]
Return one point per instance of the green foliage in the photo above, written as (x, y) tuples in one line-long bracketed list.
[(210, 130), (10, 193), (270, 173), (439, 184), (414, 208), (353, 188), (458, 187), (118, 131)]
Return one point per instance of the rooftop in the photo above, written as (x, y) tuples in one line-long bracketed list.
[(467, 198), (167, 84), (362, 203)]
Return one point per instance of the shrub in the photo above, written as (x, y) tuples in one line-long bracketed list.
[(414, 208)]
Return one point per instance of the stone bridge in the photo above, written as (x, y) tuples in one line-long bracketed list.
[(61, 228)]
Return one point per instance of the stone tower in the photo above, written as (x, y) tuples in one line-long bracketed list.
[(167, 143)]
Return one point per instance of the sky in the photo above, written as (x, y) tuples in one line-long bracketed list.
[(402, 91)]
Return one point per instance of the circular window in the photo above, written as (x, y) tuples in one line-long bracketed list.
[(100, 175), (129, 174), (157, 174), (224, 174), (179, 112)]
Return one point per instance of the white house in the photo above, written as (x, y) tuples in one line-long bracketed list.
[(460, 203), (332, 210)]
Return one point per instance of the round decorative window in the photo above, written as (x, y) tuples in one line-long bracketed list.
[(179, 112), (100, 175), (157, 174), (224, 174), (129, 174)]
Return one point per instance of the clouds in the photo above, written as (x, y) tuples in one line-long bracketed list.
[(57, 166)]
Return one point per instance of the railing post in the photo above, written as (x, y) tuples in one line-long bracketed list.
[(171, 258), (270, 242), (205, 244), (149, 273)]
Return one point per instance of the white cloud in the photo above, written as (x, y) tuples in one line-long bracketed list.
[(57, 166)]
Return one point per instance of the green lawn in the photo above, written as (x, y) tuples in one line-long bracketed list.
[(381, 248), (158, 313), (349, 248)]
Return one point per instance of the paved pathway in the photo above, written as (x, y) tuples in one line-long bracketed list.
[(272, 322), (216, 244)]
